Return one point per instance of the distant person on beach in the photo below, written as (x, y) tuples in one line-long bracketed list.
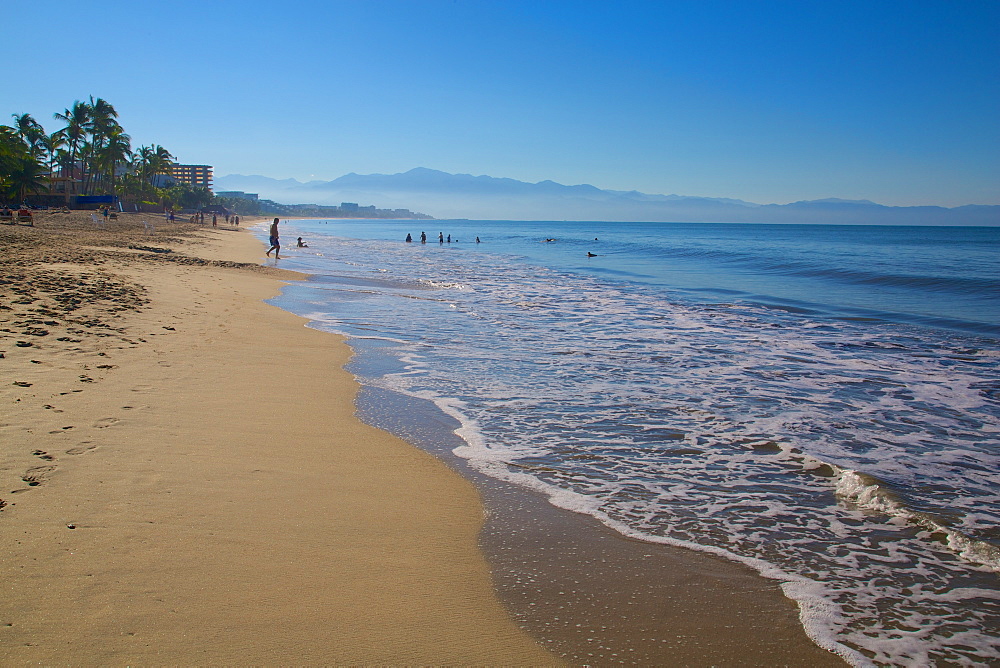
[(589, 254), (477, 240), (275, 245), (423, 237), (440, 237), (409, 239), (237, 219), (215, 220), (449, 238), (302, 244)]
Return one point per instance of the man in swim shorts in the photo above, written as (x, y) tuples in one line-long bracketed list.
[(275, 245)]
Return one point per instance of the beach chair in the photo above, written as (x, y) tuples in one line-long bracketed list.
[(97, 220), (148, 228), (7, 218), (113, 215), (25, 217)]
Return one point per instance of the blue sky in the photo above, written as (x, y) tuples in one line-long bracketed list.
[(897, 102)]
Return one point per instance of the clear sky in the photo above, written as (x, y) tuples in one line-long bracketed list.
[(773, 101)]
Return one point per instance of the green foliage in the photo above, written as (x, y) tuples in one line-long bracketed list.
[(16, 173), (26, 177), (240, 205), (186, 196), (92, 149)]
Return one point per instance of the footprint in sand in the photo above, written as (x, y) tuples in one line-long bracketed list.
[(85, 446), (36, 475), (104, 423)]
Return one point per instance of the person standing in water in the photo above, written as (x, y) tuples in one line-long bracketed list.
[(275, 245)]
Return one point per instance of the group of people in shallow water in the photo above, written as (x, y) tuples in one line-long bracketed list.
[(276, 244), (441, 238)]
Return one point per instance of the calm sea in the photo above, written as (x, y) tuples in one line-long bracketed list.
[(821, 403)]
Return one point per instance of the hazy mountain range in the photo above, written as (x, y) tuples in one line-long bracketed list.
[(444, 195)]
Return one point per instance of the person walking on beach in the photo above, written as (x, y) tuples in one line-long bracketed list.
[(275, 245)]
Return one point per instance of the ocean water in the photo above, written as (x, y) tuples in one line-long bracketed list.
[(821, 403)]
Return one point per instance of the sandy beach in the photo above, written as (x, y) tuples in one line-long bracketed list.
[(183, 480)]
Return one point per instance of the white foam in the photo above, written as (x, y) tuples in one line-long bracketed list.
[(864, 492)]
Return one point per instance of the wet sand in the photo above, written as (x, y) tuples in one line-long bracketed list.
[(596, 597), (183, 480)]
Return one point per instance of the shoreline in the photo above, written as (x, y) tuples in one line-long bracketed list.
[(679, 604), (183, 481), (597, 596)]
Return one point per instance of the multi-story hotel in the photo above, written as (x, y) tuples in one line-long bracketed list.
[(199, 176)]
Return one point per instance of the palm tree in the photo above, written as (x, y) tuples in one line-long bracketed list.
[(85, 157), (143, 164), (30, 132), (102, 124), (77, 118), (25, 176), (52, 144), (12, 148), (116, 151), (163, 160), (157, 160), (103, 117)]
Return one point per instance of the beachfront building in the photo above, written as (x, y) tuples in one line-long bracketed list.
[(199, 176), (237, 194)]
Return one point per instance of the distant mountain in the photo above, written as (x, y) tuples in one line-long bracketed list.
[(445, 195)]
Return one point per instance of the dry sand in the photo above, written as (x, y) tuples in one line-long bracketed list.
[(183, 481)]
